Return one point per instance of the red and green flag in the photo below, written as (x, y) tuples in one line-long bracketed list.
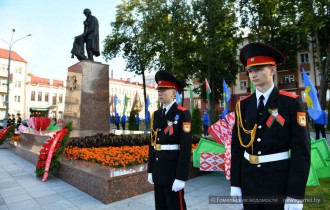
[(208, 92), (111, 103), (253, 87), (136, 100)]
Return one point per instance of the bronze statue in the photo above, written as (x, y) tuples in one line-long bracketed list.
[(90, 37)]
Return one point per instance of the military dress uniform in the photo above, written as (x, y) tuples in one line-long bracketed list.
[(261, 162), (169, 154)]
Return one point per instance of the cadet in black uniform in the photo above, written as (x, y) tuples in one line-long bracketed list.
[(13, 120), (170, 149), (269, 124), (19, 120)]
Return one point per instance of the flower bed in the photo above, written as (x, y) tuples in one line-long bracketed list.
[(111, 156)]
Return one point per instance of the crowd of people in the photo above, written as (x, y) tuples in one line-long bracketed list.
[(12, 120)]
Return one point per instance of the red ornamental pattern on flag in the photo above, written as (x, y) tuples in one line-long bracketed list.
[(212, 161), (221, 131)]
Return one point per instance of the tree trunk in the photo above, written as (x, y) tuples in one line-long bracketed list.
[(323, 68), (144, 92)]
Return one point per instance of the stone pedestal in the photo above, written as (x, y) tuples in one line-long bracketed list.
[(87, 98)]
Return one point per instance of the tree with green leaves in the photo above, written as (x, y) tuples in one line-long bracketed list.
[(196, 122), (129, 36), (217, 39)]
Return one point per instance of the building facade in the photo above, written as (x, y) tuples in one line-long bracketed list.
[(120, 88)]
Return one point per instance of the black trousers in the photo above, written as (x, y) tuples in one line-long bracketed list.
[(319, 128), (206, 127), (166, 199), (123, 125)]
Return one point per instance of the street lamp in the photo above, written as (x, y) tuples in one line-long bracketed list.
[(10, 45)]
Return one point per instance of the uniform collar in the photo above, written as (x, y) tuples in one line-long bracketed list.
[(168, 107), (265, 94)]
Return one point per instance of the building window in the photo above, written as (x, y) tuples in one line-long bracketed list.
[(60, 115), (3, 67), (302, 76), (241, 69), (46, 97), (198, 103), (60, 98), (18, 84), (3, 82), (287, 79), (54, 98), (19, 70), (39, 96), (33, 94), (304, 58), (17, 98), (243, 85)]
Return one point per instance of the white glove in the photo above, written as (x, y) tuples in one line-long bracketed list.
[(178, 185), (235, 192), (150, 178), (293, 204)]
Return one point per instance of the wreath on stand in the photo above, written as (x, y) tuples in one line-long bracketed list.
[(50, 153), (6, 133)]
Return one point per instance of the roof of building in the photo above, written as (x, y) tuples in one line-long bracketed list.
[(44, 81), (14, 56), (129, 82)]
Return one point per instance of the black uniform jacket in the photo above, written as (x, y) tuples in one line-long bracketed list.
[(168, 165), (281, 178)]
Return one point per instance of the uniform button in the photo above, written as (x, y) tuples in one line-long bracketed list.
[(156, 158), (259, 152), (258, 165), (159, 129), (259, 139), (158, 139), (259, 126)]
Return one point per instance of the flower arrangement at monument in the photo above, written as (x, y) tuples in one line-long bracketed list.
[(39, 124), (50, 153), (111, 156), (6, 133)]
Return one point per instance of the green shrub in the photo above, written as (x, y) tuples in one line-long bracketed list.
[(196, 124), (132, 121)]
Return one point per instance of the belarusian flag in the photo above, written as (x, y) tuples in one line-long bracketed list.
[(135, 101), (191, 99), (253, 87), (125, 104), (111, 103), (208, 92)]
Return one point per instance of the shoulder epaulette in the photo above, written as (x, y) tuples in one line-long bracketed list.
[(291, 95), (181, 108), (245, 97)]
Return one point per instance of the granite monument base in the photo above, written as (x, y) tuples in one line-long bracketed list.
[(87, 99), (104, 183)]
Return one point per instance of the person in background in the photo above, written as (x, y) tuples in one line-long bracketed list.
[(111, 119), (137, 120), (123, 121), (147, 121), (320, 125), (9, 120), (19, 120), (206, 123), (13, 120), (117, 120)]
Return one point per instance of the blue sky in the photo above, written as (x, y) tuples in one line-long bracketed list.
[(53, 25)]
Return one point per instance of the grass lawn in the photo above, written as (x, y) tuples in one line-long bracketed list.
[(324, 191)]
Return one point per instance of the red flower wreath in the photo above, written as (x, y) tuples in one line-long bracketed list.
[(6, 133), (49, 154)]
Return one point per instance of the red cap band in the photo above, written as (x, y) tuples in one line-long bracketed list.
[(260, 60), (167, 84)]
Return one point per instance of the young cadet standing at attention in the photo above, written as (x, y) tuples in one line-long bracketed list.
[(269, 124), (170, 148)]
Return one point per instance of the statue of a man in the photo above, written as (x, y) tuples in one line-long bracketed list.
[(90, 37)]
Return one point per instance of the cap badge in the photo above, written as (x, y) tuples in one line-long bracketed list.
[(252, 59)]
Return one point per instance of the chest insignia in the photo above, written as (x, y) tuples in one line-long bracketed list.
[(274, 115), (169, 128)]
